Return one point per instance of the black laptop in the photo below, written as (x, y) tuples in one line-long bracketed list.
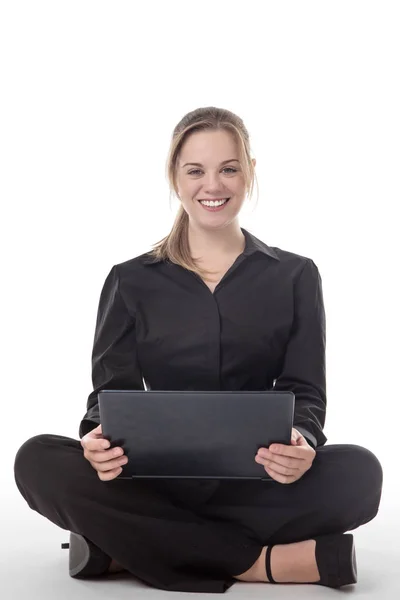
[(195, 434)]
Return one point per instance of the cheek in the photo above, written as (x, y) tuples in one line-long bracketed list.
[(189, 191), (237, 188), (240, 186)]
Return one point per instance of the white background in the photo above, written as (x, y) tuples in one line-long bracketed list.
[(90, 94)]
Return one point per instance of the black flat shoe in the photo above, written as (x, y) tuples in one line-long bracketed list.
[(336, 560), (85, 559)]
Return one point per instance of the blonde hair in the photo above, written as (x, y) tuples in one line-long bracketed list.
[(175, 246)]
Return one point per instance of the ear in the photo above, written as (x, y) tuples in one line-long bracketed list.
[(253, 160)]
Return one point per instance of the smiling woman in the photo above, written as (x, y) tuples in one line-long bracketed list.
[(214, 239), (209, 162), (259, 325)]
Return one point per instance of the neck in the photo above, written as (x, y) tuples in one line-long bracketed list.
[(209, 244)]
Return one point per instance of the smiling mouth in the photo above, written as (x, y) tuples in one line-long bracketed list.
[(219, 200)]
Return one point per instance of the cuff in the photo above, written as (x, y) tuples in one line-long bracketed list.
[(86, 426)]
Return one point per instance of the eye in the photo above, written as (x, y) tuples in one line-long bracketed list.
[(232, 169)]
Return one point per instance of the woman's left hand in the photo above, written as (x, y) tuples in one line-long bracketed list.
[(284, 463)]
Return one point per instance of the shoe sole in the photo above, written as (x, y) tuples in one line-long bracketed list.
[(341, 567), (349, 571), (85, 559)]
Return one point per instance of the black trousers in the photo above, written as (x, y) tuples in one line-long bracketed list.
[(195, 535)]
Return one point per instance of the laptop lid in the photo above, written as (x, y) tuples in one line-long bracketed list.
[(195, 434)]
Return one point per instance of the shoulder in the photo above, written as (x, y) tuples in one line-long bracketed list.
[(284, 259), (293, 262), (133, 268)]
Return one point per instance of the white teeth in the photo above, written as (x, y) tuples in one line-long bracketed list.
[(211, 203)]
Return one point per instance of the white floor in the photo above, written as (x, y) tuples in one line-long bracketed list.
[(33, 565)]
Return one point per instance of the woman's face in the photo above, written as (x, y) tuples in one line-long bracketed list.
[(218, 175)]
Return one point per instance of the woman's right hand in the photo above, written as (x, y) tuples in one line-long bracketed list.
[(105, 461)]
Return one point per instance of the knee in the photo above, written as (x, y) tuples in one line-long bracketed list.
[(364, 486), (28, 454), (366, 466), (350, 472)]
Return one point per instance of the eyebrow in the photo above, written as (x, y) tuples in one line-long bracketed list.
[(200, 165)]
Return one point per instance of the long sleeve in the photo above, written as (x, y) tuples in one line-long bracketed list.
[(304, 367), (114, 357)]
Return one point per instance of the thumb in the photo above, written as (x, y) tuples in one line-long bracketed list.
[(296, 437), (97, 430)]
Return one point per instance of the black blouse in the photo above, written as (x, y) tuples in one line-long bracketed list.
[(159, 327)]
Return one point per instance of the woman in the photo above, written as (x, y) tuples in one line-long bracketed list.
[(259, 325)]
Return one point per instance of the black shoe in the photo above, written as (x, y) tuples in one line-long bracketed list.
[(85, 559), (336, 560)]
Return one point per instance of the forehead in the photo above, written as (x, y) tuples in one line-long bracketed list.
[(205, 144)]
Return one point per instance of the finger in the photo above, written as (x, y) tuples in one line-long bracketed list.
[(284, 461), (96, 430), (290, 451), (296, 435), (94, 434), (281, 469), (96, 444), (107, 476), (103, 455), (278, 477), (109, 465)]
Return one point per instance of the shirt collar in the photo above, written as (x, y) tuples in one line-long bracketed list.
[(252, 245)]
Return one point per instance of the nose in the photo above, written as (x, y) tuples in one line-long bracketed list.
[(212, 185)]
